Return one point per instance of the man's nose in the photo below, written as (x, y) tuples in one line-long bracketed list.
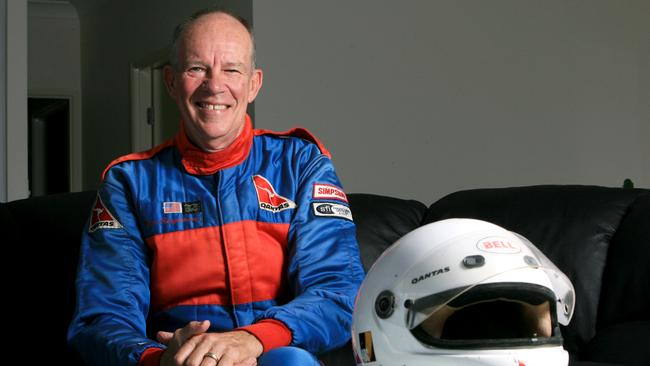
[(213, 82)]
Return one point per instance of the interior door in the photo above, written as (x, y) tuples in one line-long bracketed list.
[(154, 116), (166, 118)]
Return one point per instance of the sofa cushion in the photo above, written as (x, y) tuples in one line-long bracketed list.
[(572, 225), (624, 343), (381, 220)]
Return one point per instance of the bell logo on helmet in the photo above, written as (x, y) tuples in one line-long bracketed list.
[(497, 244)]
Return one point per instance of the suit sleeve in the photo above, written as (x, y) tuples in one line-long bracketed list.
[(324, 269), (109, 324)]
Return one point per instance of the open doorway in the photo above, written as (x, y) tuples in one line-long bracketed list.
[(48, 145), (154, 116)]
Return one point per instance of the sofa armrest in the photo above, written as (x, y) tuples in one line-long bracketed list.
[(8, 227), (625, 343)]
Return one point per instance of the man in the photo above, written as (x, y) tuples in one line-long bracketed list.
[(227, 245)]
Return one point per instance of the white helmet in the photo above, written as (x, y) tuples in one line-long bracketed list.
[(462, 292)]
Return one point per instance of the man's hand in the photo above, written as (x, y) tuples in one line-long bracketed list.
[(189, 345)]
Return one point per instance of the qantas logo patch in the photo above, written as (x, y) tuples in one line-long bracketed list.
[(329, 192), (269, 200), (101, 218)]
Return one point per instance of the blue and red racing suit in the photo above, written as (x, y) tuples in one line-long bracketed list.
[(257, 237)]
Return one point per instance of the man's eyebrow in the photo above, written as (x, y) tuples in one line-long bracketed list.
[(234, 64), (193, 61)]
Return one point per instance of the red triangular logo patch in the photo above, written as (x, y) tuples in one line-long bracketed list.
[(101, 218), (269, 200)]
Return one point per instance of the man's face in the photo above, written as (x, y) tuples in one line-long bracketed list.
[(215, 81)]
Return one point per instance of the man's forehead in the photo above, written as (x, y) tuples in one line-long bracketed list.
[(232, 54), (230, 33), (217, 24)]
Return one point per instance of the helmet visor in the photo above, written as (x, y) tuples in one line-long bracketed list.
[(513, 303), (514, 284)]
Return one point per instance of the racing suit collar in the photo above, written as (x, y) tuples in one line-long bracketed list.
[(199, 162)]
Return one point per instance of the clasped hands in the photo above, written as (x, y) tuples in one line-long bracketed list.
[(193, 346)]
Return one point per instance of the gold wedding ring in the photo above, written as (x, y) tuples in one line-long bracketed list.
[(212, 356)]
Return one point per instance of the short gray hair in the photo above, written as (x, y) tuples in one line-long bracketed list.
[(183, 26)]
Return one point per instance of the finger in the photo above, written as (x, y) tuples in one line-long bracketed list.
[(252, 361), (228, 359), (188, 337), (193, 328), (164, 337), (209, 361), (198, 355)]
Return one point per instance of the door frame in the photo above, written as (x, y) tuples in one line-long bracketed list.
[(142, 117), (75, 148), (15, 185)]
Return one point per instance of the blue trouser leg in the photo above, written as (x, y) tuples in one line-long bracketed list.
[(287, 356)]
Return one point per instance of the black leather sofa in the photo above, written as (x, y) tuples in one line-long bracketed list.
[(600, 237)]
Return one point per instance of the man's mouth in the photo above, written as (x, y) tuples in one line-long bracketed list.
[(212, 107)]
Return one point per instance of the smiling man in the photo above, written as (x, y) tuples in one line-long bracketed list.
[(213, 78), (225, 245)]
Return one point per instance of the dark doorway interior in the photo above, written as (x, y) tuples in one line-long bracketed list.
[(49, 146)]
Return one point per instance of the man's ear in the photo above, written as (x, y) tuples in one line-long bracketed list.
[(255, 84), (170, 82)]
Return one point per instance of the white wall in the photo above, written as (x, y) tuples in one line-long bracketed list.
[(15, 141), (3, 100), (418, 99), (115, 35), (54, 63)]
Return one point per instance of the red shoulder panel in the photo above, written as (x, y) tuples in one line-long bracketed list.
[(138, 156), (297, 132)]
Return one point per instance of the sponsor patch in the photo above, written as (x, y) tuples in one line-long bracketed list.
[(192, 207), (496, 244), (328, 192), (101, 218), (327, 209), (268, 199), (366, 347), (182, 207)]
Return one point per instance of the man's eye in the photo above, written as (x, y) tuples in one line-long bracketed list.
[(233, 71), (196, 69)]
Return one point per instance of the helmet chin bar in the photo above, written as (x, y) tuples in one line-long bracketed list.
[(491, 315)]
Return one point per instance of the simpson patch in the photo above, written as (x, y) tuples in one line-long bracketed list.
[(328, 192)]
